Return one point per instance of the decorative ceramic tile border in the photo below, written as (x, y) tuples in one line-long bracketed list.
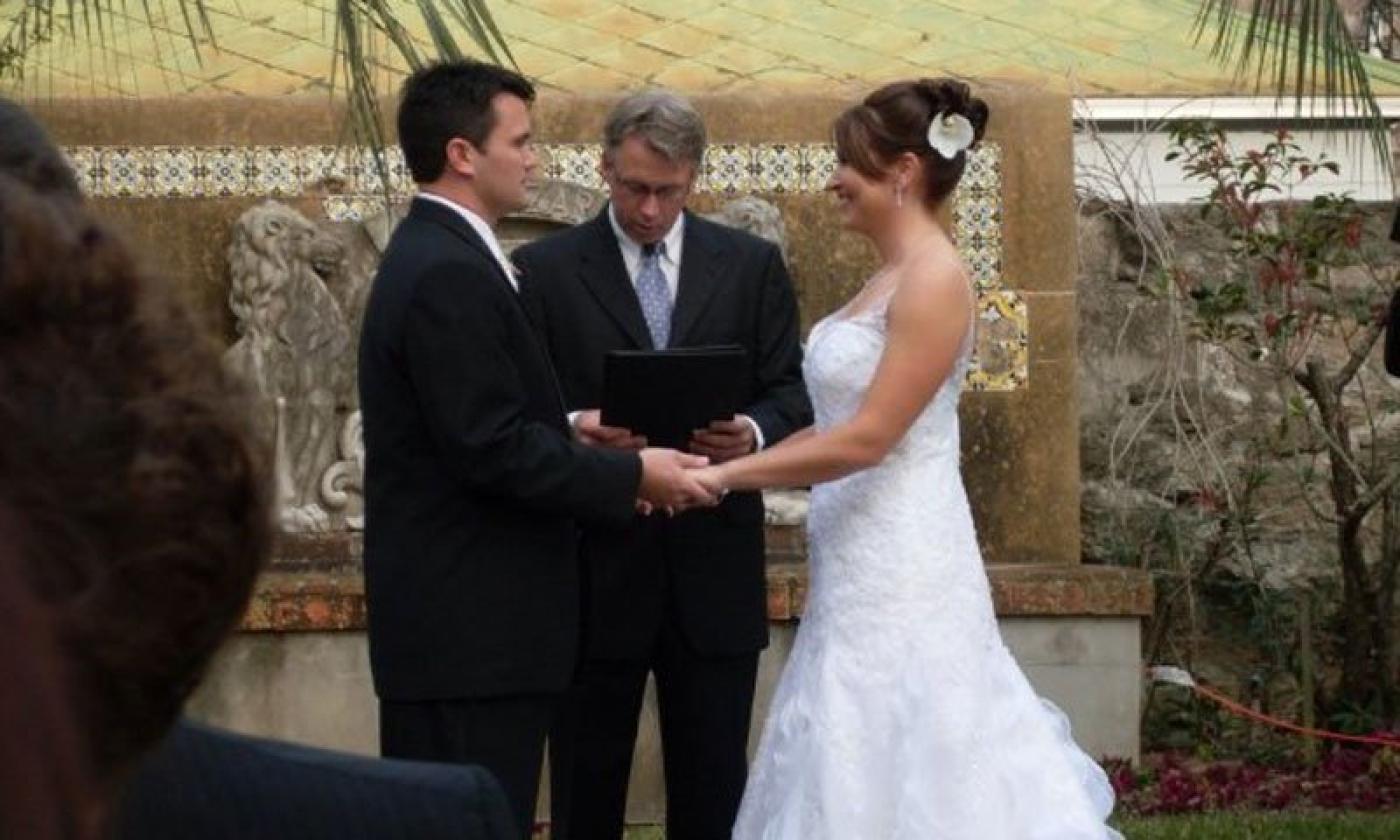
[(203, 171), (977, 217), (351, 184)]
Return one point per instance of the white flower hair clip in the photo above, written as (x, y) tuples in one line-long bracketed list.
[(950, 133)]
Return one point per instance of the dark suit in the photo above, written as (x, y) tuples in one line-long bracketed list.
[(205, 783), (684, 598), (472, 490)]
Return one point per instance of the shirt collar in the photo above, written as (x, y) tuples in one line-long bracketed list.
[(632, 249)]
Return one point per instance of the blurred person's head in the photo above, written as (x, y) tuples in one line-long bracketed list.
[(126, 463), (464, 127), (27, 154)]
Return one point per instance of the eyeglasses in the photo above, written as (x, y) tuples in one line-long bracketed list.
[(665, 193)]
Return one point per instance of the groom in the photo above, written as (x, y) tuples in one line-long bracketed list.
[(683, 599), (473, 485)]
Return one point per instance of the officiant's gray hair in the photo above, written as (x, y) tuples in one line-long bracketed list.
[(665, 120)]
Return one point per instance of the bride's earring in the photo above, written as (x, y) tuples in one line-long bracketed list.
[(898, 194)]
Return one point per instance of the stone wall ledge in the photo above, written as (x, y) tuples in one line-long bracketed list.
[(1024, 590), (315, 584), (1039, 590)]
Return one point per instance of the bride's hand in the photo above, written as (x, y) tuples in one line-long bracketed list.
[(712, 479)]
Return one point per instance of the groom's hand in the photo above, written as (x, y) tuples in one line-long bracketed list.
[(589, 429), (667, 484), (724, 440)]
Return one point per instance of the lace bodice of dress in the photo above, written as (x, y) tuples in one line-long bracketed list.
[(843, 352), (893, 545)]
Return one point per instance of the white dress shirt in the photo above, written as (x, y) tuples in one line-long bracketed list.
[(482, 229)]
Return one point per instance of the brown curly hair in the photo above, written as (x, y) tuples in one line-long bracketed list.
[(45, 791), (893, 120), (27, 153), (126, 459)]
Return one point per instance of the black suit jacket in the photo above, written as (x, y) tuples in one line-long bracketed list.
[(733, 289), (472, 481), (209, 784)]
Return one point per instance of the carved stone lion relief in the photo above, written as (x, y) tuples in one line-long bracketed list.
[(293, 349)]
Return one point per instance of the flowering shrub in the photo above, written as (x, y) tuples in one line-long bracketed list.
[(1301, 303), (1353, 778)]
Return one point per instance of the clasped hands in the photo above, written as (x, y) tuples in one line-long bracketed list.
[(674, 481)]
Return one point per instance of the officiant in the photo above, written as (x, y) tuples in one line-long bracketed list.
[(682, 598)]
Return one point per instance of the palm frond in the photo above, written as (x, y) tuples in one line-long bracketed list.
[(1302, 48), (478, 20), (367, 36), (39, 22)]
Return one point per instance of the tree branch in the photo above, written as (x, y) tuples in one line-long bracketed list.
[(1328, 404), (1311, 503), (1369, 499), (1359, 352)]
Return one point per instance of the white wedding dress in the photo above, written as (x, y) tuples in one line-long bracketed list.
[(901, 715)]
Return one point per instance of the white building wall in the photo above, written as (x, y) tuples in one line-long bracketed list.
[(1121, 146)]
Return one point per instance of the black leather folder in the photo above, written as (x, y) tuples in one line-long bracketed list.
[(664, 395)]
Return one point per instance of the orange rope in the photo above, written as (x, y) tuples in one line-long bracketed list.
[(1240, 709)]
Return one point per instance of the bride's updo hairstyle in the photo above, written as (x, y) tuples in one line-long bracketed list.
[(895, 119)]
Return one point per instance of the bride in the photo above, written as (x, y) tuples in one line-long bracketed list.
[(901, 714)]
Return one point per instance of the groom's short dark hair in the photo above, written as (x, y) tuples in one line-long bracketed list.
[(447, 100)]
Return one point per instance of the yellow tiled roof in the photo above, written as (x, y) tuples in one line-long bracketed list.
[(1087, 47)]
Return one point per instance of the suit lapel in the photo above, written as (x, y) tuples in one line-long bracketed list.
[(606, 277), (452, 220), (699, 263)]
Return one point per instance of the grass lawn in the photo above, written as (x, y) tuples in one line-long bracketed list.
[(1259, 826)]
